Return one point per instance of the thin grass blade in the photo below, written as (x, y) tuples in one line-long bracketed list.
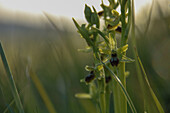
[(42, 92), (143, 80), (11, 81), (159, 106), (133, 109)]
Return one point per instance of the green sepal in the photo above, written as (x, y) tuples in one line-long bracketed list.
[(89, 68), (115, 13), (122, 49), (116, 5), (88, 13), (126, 59), (99, 67), (95, 18), (113, 22), (82, 80), (86, 50), (104, 51), (127, 73), (107, 11), (83, 96), (112, 3)]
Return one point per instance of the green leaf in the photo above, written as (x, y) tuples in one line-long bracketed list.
[(81, 29), (84, 32), (88, 13), (83, 96)]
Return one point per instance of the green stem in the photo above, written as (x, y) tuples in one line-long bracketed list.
[(122, 77), (116, 97), (11, 81), (116, 92), (131, 105), (123, 39), (102, 96), (108, 91), (121, 68), (102, 85), (107, 98)]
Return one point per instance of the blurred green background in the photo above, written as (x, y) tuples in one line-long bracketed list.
[(48, 45)]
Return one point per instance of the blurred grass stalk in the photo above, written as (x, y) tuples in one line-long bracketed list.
[(11, 81), (142, 77), (42, 92)]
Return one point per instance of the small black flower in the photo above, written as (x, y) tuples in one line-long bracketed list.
[(90, 77), (118, 29), (109, 26), (114, 60), (101, 13), (108, 79)]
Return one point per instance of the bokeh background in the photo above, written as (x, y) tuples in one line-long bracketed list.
[(47, 43)]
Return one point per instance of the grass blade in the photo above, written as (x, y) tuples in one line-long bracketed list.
[(123, 89), (11, 81), (159, 106), (42, 92), (143, 80)]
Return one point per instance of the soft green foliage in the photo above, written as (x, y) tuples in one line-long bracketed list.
[(103, 51), (149, 96), (11, 81), (53, 57)]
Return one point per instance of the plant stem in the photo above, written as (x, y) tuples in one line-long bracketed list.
[(101, 84), (121, 69), (123, 102), (107, 98), (116, 97)]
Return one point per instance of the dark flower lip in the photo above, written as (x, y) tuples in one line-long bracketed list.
[(90, 77), (114, 60), (108, 79), (114, 55), (101, 13), (118, 29)]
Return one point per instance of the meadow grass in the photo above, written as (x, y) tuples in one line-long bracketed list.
[(59, 68), (89, 33)]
